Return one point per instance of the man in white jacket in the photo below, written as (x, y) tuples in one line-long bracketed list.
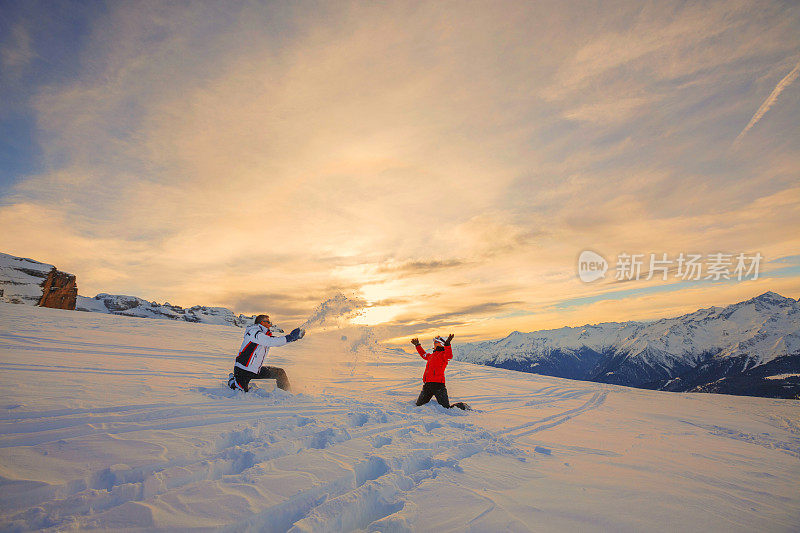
[(257, 341)]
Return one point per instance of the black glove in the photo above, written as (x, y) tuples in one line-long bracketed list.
[(449, 338), (296, 334), (415, 341)]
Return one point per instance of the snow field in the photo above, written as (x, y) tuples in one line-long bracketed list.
[(112, 422)]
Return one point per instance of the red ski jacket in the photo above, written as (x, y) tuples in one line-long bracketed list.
[(437, 362)]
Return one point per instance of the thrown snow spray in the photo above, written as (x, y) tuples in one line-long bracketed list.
[(334, 350), (334, 312)]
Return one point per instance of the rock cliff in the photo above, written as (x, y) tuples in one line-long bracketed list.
[(59, 290), (29, 282)]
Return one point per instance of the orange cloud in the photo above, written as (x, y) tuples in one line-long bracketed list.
[(450, 164)]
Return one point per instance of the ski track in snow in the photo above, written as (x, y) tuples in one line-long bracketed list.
[(548, 422), (402, 451), (98, 432), (249, 453)]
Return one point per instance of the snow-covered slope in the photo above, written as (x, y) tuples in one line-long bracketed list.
[(112, 423), (132, 306), (718, 341), (21, 283), (21, 279)]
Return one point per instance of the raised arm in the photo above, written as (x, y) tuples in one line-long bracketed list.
[(448, 350), (420, 350)]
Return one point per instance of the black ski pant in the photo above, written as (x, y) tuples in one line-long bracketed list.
[(431, 389), (243, 377)]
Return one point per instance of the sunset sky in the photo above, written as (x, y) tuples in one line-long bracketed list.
[(446, 162)]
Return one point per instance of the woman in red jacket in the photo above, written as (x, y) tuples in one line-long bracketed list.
[(433, 379)]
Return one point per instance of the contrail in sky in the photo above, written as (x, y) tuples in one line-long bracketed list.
[(785, 82)]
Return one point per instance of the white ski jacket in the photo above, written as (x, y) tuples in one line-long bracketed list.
[(255, 347)]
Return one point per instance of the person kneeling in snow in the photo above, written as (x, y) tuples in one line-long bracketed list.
[(433, 379), (258, 340)]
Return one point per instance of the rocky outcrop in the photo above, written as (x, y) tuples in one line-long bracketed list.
[(29, 282), (59, 290)]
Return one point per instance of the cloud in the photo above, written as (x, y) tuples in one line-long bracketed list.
[(395, 301), (635, 60), (464, 313), (420, 266), (17, 50), (401, 332), (282, 306), (770, 101), (268, 153), (461, 319)]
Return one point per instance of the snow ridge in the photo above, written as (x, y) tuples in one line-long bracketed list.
[(118, 304), (754, 332)]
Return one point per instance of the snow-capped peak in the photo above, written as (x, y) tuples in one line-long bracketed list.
[(757, 331)]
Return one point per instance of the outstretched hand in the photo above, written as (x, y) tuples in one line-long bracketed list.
[(296, 334), (449, 338), (415, 341)]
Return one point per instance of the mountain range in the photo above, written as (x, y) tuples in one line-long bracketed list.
[(118, 304), (748, 348), (29, 282)]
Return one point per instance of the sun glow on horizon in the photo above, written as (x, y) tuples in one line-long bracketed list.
[(447, 165)]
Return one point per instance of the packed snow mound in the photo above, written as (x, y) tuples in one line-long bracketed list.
[(21, 279), (753, 332), (118, 304)]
